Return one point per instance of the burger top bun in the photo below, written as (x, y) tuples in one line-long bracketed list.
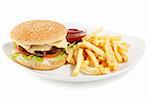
[(38, 32)]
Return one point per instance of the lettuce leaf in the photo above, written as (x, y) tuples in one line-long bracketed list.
[(14, 45), (39, 59), (25, 57), (14, 56), (61, 56), (32, 57), (70, 45)]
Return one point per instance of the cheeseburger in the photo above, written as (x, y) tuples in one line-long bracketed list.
[(39, 44)]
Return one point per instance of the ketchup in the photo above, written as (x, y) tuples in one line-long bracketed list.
[(75, 35)]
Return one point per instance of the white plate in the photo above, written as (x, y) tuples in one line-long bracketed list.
[(63, 73)]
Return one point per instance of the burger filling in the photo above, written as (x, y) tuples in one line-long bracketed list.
[(54, 51), (40, 53)]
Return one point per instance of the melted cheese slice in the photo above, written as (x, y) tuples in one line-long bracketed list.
[(59, 44), (39, 48), (25, 46)]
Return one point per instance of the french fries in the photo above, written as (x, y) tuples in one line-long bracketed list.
[(118, 56), (90, 46), (70, 58), (79, 62), (93, 57), (75, 54), (124, 56), (110, 56), (87, 37), (89, 70), (115, 38), (97, 54)]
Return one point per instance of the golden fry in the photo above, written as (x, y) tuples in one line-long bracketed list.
[(89, 70), (125, 44), (102, 42), (123, 48), (104, 63), (105, 70), (96, 42), (99, 37), (92, 47), (117, 54), (110, 56), (87, 37), (124, 56), (101, 58), (115, 38), (80, 59), (93, 57), (75, 48), (70, 58)]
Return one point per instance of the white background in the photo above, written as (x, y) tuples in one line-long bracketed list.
[(123, 16)]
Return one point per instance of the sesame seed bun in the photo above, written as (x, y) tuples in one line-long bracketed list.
[(38, 32)]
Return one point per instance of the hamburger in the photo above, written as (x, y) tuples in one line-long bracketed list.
[(39, 44)]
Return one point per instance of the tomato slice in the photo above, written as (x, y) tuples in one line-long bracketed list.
[(53, 55), (21, 51)]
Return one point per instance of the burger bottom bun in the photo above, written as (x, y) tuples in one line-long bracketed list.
[(39, 66)]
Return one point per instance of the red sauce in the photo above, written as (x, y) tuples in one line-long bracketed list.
[(75, 35)]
